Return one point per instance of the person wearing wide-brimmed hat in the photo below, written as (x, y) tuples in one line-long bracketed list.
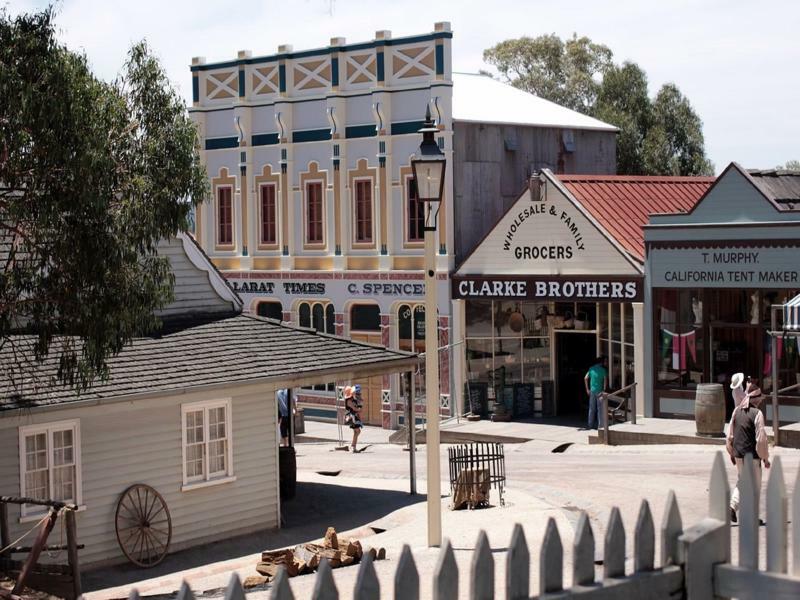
[(747, 435), (737, 390)]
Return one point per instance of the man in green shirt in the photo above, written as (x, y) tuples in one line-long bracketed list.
[(596, 381)]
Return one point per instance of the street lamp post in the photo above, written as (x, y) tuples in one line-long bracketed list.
[(428, 166)]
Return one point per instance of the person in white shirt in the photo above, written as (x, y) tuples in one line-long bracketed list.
[(747, 435)]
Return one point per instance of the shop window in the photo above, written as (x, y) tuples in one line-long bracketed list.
[(415, 226), (268, 214), (363, 211), (679, 352), (272, 310), (365, 317), (478, 317), (411, 327), (314, 216), (224, 215)]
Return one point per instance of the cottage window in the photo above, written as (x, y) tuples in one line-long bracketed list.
[(314, 220), (268, 214), (207, 451), (224, 216), (416, 214), (50, 467), (363, 211)]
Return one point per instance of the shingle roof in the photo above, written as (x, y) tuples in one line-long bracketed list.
[(622, 203), (481, 99), (233, 350), (783, 187)]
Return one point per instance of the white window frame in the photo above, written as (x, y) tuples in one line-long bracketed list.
[(29, 511), (206, 479)]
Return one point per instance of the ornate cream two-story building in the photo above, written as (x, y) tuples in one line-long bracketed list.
[(313, 216)]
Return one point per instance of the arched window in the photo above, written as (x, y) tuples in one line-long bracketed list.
[(411, 327), (271, 309), (365, 317), (319, 316)]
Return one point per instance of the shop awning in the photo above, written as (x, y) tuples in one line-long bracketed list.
[(791, 314)]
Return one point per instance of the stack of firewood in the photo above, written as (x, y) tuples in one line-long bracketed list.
[(305, 558)]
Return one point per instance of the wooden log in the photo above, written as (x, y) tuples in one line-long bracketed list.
[(255, 581), (72, 554), (331, 539), (25, 500), (33, 557), (4, 535), (381, 554)]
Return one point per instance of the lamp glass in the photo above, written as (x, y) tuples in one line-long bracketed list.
[(428, 176)]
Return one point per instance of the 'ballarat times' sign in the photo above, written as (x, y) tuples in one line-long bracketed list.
[(743, 267)]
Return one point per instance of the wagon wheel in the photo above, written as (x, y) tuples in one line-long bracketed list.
[(143, 524)]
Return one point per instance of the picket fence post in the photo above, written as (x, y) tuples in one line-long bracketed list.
[(583, 552), (324, 586), (551, 559), (518, 566), (445, 576), (406, 578), (482, 570), (280, 587)]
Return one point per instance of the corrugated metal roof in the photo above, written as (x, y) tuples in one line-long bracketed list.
[(783, 187), (623, 203), (481, 99)]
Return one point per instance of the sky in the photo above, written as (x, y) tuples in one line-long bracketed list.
[(737, 61)]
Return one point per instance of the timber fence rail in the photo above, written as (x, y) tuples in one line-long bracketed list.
[(694, 563)]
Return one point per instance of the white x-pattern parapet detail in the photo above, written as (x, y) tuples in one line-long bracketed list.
[(224, 84), (412, 62), (266, 81), (312, 75), (360, 69)]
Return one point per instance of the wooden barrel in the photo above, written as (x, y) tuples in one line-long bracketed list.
[(709, 410)]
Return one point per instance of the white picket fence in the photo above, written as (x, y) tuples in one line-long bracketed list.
[(695, 563)]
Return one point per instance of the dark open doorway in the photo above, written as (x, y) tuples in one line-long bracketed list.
[(574, 355)]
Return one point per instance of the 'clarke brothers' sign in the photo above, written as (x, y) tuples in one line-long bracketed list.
[(760, 267), (575, 289)]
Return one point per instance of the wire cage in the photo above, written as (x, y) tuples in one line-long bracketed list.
[(475, 469)]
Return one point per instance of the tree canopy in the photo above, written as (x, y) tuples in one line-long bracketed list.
[(662, 135), (791, 165), (92, 175)]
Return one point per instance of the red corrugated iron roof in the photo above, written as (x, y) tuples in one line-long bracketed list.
[(622, 203)]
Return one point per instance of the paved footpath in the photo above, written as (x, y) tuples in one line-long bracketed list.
[(371, 489)]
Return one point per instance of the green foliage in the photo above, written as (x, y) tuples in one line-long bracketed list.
[(560, 71), (791, 165), (662, 136), (92, 176)]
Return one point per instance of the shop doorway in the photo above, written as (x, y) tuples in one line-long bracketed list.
[(575, 353), (734, 349)]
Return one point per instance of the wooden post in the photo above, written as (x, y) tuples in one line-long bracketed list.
[(72, 553), (773, 340), (36, 550), (411, 427), (289, 400), (633, 403), (604, 416), (5, 539)]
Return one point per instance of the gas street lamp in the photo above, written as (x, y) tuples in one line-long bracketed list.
[(428, 167)]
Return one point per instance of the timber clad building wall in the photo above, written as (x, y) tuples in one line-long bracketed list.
[(494, 161), (140, 442)]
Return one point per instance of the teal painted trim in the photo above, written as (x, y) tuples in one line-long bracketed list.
[(222, 143), (334, 71), (322, 98), (311, 135), (264, 139), (439, 35), (404, 127), (318, 412), (380, 68), (360, 131), (282, 78), (241, 83), (439, 60), (195, 88)]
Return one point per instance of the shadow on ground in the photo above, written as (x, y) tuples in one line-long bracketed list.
[(315, 507)]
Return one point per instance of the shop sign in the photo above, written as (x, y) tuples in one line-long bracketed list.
[(576, 289), (558, 219), (315, 288), (743, 267)]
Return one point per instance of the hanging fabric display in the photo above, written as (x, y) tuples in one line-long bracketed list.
[(679, 345)]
